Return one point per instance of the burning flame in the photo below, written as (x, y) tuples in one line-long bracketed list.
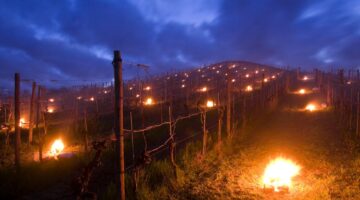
[(22, 122), (204, 89), (50, 110), (210, 104), (149, 101), (56, 148), (249, 88), (302, 91), (278, 174), (311, 107)]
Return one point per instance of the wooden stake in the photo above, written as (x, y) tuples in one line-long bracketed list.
[(228, 110), (132, 138), (31, 115), (85, 131), (38, 107), (17, 122), (119, 125), (351, 109), (244, 112), (172, 142), (220, 118), (204, 133), (357, 114), (42, 132)]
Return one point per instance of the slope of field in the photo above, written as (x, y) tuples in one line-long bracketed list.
[(330, 166)]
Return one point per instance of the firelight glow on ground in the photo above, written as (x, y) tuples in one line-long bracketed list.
[(278, 174)]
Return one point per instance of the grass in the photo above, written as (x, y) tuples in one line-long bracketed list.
[(329, 157), (34, 178)]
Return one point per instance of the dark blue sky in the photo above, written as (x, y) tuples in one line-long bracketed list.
[(73, 39)]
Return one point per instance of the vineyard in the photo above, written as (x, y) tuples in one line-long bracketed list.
[(179, 135)]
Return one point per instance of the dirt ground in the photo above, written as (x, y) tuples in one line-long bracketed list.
[(330, 168)]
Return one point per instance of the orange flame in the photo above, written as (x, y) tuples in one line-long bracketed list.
[(56, 148), (278, 174), (311, 107), (149, 101), (249, 88), (210, 104)]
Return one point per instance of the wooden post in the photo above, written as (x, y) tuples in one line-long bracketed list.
[(43, 132), (221, 114), (119, 126), (85, 131), (31, 115), (132, 138), (204, 132), (172, 142), (228, 110), (142, 116), (9, 119), (244, 112), (38, 105), (328, 96), (357, 114), (17, 122), (76, 117), (351, 108)]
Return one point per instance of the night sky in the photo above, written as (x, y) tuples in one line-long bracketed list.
[(73, 39)]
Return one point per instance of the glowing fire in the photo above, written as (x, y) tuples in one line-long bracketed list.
[(204, 89), (249, 88), (22, 122), (278, 174), (50, 110), (149, 101), (210, 104), (311, 107), (302, 91), (56, 148)]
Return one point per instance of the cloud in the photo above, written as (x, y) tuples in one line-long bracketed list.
[(186, 12), (74, 39)]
